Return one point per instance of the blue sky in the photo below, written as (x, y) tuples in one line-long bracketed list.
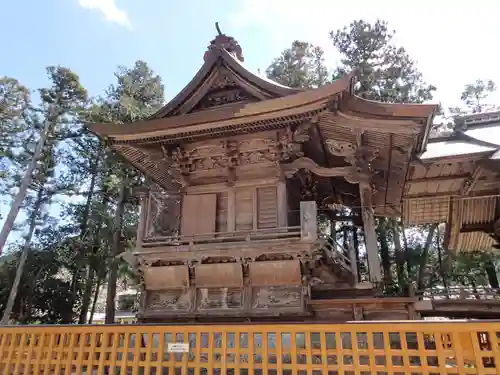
[(454, 44)]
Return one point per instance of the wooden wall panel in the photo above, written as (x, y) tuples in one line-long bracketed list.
[(198, 214), (244, 209), (229, 275), (267, 207), (159, 278), (188, 219), (222, 212), (206, 213), (279, 272)]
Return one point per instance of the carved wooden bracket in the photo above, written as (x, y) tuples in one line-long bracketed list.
[(351, 174), (301, 134)]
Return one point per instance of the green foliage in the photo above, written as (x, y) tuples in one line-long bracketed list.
[(385, 72), (137, 94), (300, 66), (14, 100), (43, 295), (474, 98)]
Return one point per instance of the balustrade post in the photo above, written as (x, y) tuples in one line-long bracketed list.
[(308, 221)]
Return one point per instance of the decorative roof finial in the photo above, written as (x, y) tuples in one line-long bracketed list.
[(218, 28), (226, 42)]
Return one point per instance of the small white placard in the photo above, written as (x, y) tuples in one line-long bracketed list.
[(178, 347)]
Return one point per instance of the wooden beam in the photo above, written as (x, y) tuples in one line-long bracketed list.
[(471, 181), (439, 178), (430, 195), (479, 227)]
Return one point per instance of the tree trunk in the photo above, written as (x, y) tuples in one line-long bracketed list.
[(22, 261), (425, 257), (407, 253), (384, 252), (98, 217), (23, 189), (442, 272), (74, 290), (400, 257), (491, 272), (84, 228), (87, 294), (94, 301), (113, 263)]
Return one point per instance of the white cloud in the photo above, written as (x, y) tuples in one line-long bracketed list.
[(109, 9), (454, 43)]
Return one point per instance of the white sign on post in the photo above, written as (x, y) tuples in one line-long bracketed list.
[(178, 347)]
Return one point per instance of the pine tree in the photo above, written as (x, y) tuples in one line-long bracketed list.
[(137, 94), (59, 104), (385, 72), (300, 66)]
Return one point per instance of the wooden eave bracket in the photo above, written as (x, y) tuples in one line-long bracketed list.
[(349, 173)]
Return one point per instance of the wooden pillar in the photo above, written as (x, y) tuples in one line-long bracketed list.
[(143, 215), (231, 212), (282, 205), (308, 223), (371, 243), (354, 261)]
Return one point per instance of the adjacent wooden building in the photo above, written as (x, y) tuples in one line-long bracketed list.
[(457, 181), (242, 168)]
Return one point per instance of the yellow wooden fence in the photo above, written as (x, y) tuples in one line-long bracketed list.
[(381, 348)]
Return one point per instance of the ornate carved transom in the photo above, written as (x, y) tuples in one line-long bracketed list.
[(230, 154)]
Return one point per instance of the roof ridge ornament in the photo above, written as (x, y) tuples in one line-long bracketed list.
[(218, 28), (223, 41)]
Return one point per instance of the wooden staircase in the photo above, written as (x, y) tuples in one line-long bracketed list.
[(336, 261)]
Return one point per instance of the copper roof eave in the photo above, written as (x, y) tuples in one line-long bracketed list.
[(424, 112), (210, 62), (462, 157), (236, 113), (460, 136), (389, 110)]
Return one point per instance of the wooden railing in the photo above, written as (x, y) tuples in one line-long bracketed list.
[(218, 237), (460, 293), (338, 253), (353, 348)]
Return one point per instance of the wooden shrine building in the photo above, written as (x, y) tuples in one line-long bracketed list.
[(242, 167)]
